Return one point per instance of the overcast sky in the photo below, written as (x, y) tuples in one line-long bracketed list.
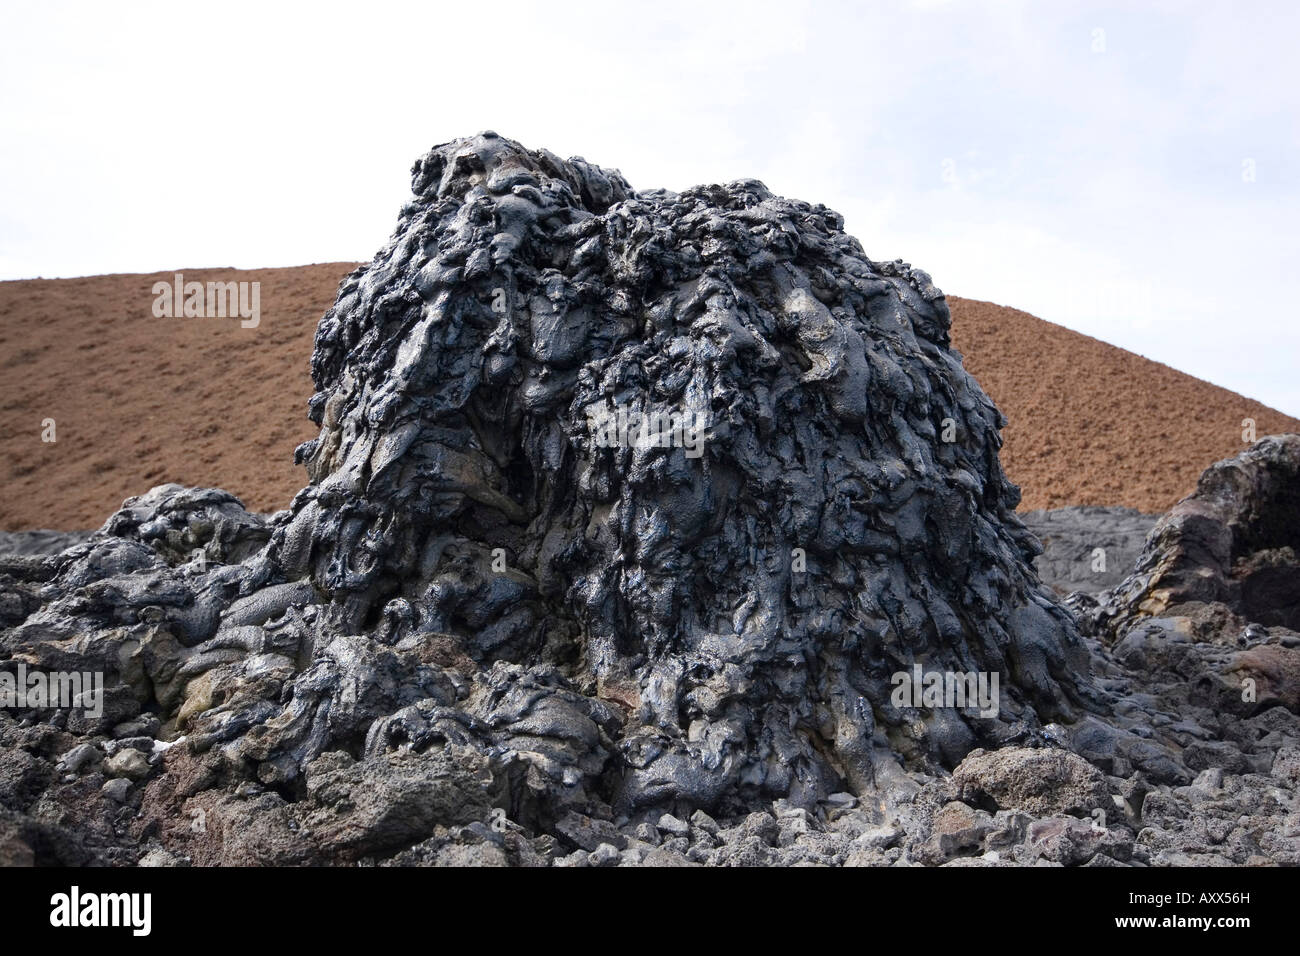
[(1128, 170)]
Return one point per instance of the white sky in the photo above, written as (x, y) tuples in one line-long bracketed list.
[(1010, 149)]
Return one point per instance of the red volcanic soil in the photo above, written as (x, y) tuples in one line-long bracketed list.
[(1092, 424)]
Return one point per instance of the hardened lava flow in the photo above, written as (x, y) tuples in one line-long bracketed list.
[(626, 512)]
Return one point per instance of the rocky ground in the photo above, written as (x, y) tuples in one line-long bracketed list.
[(490, 631), (1171, 776)]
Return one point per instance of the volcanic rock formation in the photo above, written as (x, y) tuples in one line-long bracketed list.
[(1219, 574), (707, 606), (623, 505), (741, 603)]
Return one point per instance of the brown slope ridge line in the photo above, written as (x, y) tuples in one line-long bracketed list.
[(1092, 424), (138, 401)]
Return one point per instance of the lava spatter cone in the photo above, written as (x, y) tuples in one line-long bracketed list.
[(689, 465)]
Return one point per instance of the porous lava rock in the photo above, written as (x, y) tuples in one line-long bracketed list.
[(623, 504), (739, 603)]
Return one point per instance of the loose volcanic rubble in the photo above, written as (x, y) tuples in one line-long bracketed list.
[(628, 512)]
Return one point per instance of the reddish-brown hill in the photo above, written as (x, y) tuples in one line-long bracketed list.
[(1092, 424)]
